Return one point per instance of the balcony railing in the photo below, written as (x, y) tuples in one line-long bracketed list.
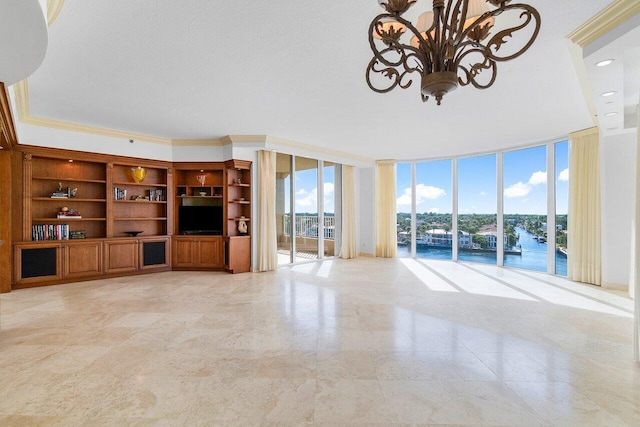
[(307, 226)]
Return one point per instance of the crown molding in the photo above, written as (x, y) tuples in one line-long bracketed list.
[(271, 140), (95, 130), (21, 90), (198, 142), (609, 18)]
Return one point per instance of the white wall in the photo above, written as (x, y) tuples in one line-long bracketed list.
[(618, 154), (68, 140), (366, 245), (210, 153)]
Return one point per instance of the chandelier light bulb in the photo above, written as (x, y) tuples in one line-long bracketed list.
[(452, 45)]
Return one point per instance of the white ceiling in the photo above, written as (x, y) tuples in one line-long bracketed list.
[(199, 69)]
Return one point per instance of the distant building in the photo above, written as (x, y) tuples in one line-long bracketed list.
[(444, 239), (492, 239)]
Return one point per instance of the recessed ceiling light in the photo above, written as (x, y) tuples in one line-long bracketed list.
[(605, 62), (611, 114), (70, 160), (613, 92)]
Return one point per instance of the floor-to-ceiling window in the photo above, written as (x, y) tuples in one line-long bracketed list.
[(562, 203), (477, 207), (434, 205), (522, 219), (307, 208), (283, 207), (404, 188), (525, 208)]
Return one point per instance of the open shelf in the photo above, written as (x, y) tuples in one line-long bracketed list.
[(161, 202), (140, 219), (67, 219), (70, 199), (139, 184), (60, 179)]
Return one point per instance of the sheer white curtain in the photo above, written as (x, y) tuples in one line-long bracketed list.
[(584, 246), (349, 248), (634, 279), (386, 228), (267, 233)]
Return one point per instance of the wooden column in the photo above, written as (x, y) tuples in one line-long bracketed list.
[(27, 170), (5, 221)]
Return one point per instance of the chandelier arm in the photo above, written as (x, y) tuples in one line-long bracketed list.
[(448, 18), (376, 53), (424, 45), (459, 18), (391, 72), (474, 70), (499, 39)]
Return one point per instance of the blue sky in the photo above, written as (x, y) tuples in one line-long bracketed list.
[(525, 188), (307, 190)]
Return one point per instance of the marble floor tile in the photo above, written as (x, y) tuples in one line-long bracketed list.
[(363, 342)]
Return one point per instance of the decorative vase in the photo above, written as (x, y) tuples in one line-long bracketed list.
[(138, 174)]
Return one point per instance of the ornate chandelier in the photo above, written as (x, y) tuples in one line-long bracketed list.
[(459, 44)]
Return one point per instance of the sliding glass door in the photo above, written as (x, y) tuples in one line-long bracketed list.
[(307, 208)]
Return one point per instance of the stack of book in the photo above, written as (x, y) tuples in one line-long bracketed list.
[(119, 193), (70, 214), (50, 232)]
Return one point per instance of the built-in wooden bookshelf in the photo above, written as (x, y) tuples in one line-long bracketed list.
[(54, 185), (106, 223), (139, 206), (238, 204)]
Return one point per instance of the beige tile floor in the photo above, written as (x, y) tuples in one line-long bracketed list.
[(367, 341)]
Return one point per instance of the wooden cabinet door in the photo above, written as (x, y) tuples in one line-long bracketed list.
[(82, 259), (210, 254), (154, 253), (184, 252), (238, 254), (121, 256), (38, 262)]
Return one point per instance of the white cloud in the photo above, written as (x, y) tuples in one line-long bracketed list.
[(519, 189), (423, 192), (483, 193), (328, 188), (434, 210), (538, 178), (564, 175), (307, 201)]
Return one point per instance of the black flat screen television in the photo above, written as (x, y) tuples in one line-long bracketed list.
[(204, 220)]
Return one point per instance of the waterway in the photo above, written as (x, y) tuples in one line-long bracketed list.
[(534, 255)]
